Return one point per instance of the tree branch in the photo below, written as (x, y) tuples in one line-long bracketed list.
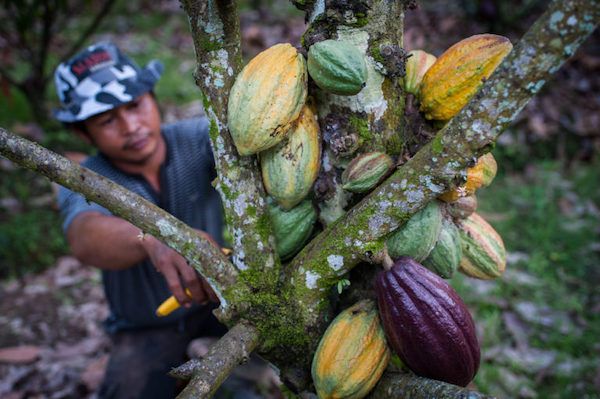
[(216, 33), (408, 385), (197, 250), (361, 233), (208, 373)]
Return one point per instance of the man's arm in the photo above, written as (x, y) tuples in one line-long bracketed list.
[(111, 243)]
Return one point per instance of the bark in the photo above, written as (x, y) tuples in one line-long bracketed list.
[(208, 373), (371, 120), (216, 32), (403, 385)]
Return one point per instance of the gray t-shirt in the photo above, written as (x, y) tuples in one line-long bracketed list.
[(134, 294)]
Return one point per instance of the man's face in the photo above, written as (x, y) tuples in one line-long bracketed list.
[(128, 134)]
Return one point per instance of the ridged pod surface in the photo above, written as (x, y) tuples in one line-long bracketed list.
[(290, 168), (266, 98), (291, 228), (445, 257), (483, 252), (417, 64), (459, 72), (337, 66), (366, 171), (417, 237), (352, 354), (427, 324)]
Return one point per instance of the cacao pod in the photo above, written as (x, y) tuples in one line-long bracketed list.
[(291, 228), (490, 168), (483, 253), (417, 237), (475, 179), (266, 98), (337, 67), (459, 72), (352, 354), (366, 171), (427, 324), (416, 65), (290, 168), (463, 207), (445, 257)]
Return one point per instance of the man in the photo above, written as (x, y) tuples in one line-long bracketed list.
[(108, 101)]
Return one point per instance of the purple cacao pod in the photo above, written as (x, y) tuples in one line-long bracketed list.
[(427, 324)]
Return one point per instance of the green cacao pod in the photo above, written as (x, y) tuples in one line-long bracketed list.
[(417, 237), (352, 354), (266, 98), (291, 228), (337, 66), (426, 323), (445, 257), (483, 253), (366, 171), (463, 207), (459, 73), (290, 168), (417, 64)]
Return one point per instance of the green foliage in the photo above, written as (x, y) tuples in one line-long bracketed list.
[(30, 242), (548, 218)]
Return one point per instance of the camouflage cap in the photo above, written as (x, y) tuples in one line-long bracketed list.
[(100, 78)]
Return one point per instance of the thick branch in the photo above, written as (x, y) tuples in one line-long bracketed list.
[(208, 373), (404, 385), (216, 33), (361, 233), (197, 250)]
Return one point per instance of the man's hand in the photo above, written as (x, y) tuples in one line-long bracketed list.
[(175, 269)]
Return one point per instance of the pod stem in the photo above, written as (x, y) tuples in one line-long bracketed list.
[(384, 258)]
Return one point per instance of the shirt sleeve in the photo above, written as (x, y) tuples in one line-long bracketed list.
[(72, 204)]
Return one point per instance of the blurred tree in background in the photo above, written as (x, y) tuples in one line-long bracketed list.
[(37, 35)]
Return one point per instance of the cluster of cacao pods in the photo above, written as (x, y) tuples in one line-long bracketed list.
[(445, 84), (271, 114), (424, 321), (417, 315)]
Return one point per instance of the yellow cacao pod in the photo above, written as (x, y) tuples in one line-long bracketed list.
[(352, 354), (459, 72), (290, 168), (266, 98), (417, 64), (482, 173)]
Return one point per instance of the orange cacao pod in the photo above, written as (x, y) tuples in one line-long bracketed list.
[(459, 72)]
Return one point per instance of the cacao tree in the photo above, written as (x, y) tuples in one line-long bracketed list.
[(281, 308)]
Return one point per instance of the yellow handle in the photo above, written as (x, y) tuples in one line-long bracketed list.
[(170, 304)]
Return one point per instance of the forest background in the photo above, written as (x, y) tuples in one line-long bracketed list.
[(538, 324)]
